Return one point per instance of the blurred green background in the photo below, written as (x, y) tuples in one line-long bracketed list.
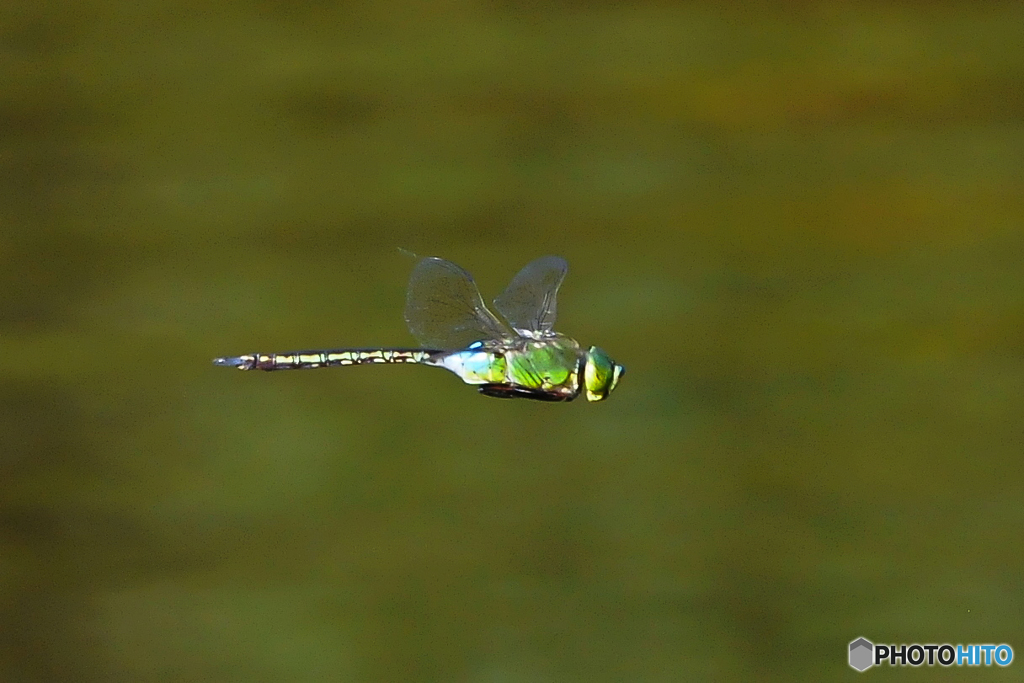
[(798, 224)]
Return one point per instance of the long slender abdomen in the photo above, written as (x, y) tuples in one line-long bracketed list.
[(303, 360)]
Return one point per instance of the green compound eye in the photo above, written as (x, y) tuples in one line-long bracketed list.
[(600, 374)]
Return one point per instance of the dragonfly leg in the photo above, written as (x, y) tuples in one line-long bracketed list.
[(512, 391)]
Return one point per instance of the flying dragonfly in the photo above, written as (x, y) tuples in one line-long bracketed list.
[(520, 357)]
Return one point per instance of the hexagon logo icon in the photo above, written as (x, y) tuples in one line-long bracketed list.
[(862, 653)]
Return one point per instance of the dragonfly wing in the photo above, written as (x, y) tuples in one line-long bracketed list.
[(443, 308), (528, 303)]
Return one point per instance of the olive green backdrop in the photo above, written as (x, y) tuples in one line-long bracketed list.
[(799, 226)]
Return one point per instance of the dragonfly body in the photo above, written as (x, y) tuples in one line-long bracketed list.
[(524, 359)]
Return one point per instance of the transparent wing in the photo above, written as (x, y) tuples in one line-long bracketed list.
[(528, 303), (443, 308)]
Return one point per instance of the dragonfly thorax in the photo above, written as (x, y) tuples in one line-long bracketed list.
[(551, 366)]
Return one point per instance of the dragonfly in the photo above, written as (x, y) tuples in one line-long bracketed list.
[(516, 356)]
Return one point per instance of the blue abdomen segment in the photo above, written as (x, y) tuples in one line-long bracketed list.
[(474, 365)]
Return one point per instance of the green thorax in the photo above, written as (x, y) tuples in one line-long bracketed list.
[(550, 364)]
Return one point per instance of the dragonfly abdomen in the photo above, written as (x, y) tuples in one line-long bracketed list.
[(475, 365), (302, 360)]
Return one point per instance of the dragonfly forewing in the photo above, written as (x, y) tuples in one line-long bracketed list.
[(444, 309)]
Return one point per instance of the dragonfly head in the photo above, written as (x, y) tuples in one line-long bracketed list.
[(600, 374)]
